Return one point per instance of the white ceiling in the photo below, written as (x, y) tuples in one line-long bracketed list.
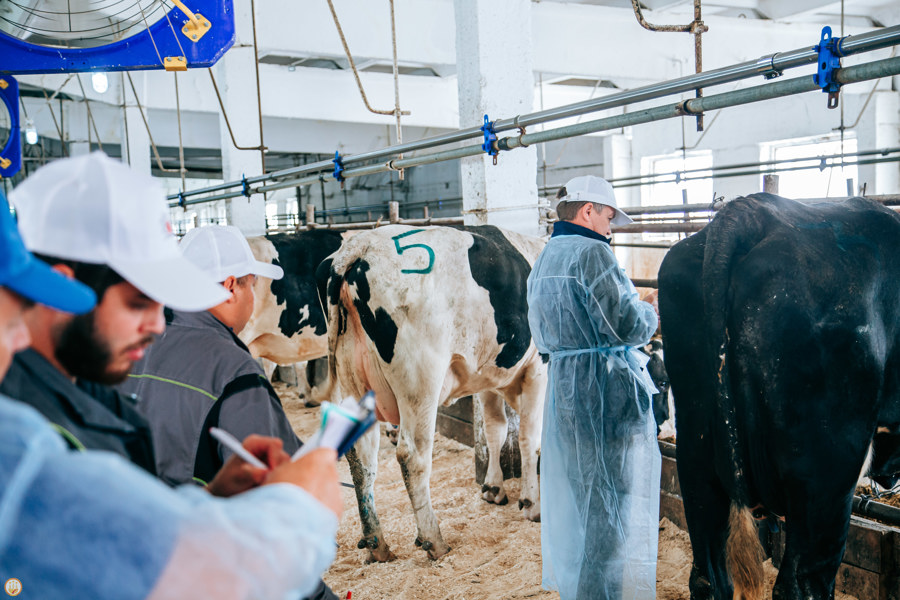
[(856, 12)]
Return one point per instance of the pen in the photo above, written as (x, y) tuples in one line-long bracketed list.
[(232, 443)]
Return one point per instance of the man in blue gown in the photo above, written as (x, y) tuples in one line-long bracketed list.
[(600, 465)]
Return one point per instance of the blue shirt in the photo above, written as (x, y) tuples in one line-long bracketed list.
[(90, 525)]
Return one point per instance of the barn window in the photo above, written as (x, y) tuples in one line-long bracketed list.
[(812, 167), (675, 179)]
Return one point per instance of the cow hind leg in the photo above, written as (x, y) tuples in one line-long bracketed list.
[(530, 407), (707, 511), (495, 431), (363, 460), (816, 531), (414, 450)]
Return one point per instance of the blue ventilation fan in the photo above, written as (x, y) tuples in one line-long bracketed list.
[(66, 36), (11, 148)]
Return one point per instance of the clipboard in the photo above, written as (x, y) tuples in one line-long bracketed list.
[(342, 424)]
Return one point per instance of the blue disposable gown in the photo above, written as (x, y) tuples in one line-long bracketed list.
[(600, 463), (91, 525)]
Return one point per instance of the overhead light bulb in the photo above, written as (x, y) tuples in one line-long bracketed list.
[(100, 82), (31, 134)]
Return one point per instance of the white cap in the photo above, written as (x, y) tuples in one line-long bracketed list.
[(94, 209), (223, 252), (589, 188)]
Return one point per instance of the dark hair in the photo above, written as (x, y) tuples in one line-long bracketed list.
[(566, 211), (98, 277), (245, 280)]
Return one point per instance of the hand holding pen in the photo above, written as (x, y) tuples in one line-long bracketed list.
[(245, 469), (315, 473)]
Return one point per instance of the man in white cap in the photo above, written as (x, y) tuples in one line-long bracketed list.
[(599, 458), (96, 220), (200, 375), (87, 523)]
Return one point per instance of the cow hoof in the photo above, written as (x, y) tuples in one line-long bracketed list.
[(392, 433), (381, 555), (435, 550), (378, 550), (494, 494), (368, 542), (531, 510)]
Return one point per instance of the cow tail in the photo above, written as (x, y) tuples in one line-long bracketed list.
[(744, 555), (330, 280), (732, 234)]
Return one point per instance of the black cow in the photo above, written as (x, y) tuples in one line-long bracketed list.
[(780, 324), (288, 322), (657, 369)]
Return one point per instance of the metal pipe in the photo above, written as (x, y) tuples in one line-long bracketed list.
[(696, 28), (689, 227), (769, 65), (787, 87), (380, 222), (651, 283), (662, 245), (667, 208), (759, 163), (871, 161), (778, 89)]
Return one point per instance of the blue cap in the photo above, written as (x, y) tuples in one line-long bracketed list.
[(24, 274)]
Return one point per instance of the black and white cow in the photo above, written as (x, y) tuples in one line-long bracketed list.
[(656, 368), (780, 322), (288, 324), (424, 316)]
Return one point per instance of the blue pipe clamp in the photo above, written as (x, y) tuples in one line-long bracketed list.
[(489, 138), (829, 49), (338, 167)]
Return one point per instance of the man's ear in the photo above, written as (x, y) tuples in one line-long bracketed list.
[(586, 210), (230, 284)]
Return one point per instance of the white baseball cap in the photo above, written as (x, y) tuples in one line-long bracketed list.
[(588, 188), (223, 252), (94, 209)]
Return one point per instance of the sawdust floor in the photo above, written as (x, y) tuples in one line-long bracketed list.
[(496, 554)]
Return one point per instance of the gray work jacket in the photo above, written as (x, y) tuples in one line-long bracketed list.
[(198, 375), (87, 415)]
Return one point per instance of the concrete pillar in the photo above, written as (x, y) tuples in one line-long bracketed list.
[(887, 135), (235, 75), (617, 162), (136, 148), (495, 73)]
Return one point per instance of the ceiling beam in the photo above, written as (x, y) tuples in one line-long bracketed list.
[(886, 16), (663, 4), (782, 9)]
